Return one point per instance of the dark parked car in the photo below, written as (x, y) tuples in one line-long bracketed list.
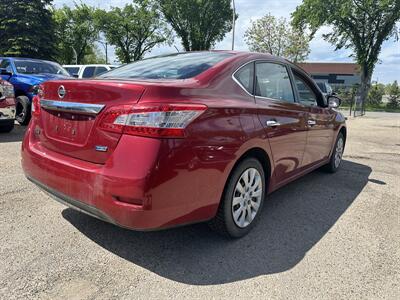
[(25, 74), (7, 106), (183, 138)]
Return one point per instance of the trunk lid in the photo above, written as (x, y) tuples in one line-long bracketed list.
[(71, 111)]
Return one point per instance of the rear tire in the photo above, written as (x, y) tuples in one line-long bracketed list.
[(7, 127), (337, 154), (242, 201), (23, 107)]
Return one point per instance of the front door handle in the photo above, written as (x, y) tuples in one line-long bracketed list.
[(272, 123), (311, 122)]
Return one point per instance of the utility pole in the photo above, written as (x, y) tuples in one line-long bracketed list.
[(105, 45), (233, 24)]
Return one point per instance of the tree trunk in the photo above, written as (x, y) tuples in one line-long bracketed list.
[(365, 84)]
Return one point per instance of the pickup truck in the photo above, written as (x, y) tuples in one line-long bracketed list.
[(25, 74)]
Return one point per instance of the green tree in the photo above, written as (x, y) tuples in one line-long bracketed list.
[(199, 23), (277, 37), (394, 95), (375, 94), (134, 30), (94, 56), (361, 25), (27, 29), (76, 32)]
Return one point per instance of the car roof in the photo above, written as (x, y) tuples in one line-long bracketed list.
[(25, 58), (89, 65)]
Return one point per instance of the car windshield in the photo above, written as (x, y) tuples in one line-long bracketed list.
[(175, 66), (38, 67)]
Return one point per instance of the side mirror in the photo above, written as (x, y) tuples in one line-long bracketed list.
[(5, 72), (75, 75), (334, 101)]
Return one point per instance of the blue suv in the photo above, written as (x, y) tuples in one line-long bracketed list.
[(26, 74)]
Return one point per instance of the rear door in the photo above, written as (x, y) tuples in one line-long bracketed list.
[(283, 119), (320, 120)]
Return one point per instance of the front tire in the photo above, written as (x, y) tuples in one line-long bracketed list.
[(337, 154), (242, 201), (23, 107)]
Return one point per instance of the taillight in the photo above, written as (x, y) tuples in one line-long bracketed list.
[(35, 107), (153, 120)]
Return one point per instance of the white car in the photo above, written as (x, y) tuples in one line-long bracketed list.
[(87, 71)]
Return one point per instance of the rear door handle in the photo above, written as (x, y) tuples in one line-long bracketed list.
[(272, 123), (311, 122)]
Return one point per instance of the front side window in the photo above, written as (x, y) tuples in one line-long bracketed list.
[(273, 81), (174, 66), (306, 94), (245, 76)]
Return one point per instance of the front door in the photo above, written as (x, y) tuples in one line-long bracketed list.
[(320, 122), (283, 119)]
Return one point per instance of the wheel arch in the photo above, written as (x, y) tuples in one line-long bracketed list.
[(262, 156), (343, 131)]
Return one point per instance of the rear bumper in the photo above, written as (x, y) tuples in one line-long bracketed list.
[(75, 204), (146, 184)]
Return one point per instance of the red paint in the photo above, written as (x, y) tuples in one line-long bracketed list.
[(147, 182)]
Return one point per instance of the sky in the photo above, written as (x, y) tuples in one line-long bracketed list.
[(387, 70)]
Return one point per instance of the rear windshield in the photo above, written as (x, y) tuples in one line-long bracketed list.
[(175, 66)]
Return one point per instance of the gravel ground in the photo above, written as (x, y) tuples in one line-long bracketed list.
[(321, 237)]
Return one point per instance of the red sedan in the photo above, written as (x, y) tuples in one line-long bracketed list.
[(183, 138)]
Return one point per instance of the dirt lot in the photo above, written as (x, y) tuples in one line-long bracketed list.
[(323, 236)]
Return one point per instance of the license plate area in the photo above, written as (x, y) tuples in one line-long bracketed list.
[(69, 127)]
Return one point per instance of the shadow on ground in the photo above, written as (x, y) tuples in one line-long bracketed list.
[(293, 220), (16, 135)]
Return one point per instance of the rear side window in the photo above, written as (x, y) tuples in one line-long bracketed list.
[(245, 76), (273, 81), (88, 72), (175, 66), (72, 70)]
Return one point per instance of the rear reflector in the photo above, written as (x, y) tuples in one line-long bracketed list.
[(153, 120)]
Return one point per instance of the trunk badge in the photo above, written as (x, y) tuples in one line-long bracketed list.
[(101, 148), (61, 92)]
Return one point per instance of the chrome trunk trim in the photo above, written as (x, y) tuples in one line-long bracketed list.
[(72, 107)]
